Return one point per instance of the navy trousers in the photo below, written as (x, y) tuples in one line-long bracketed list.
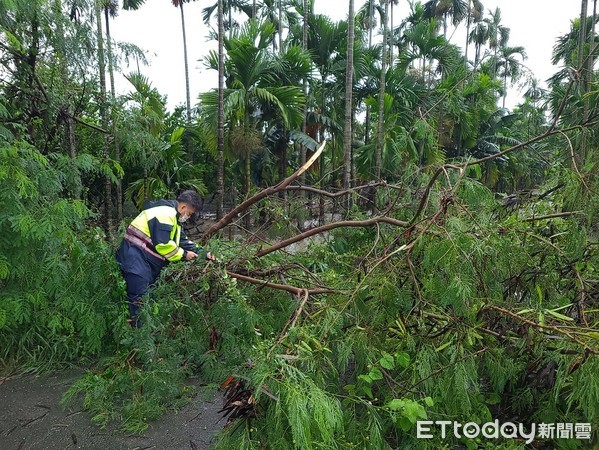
[(137, 286), (140, 271)]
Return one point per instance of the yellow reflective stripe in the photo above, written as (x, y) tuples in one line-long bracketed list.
[(171, 254), (170, 251)]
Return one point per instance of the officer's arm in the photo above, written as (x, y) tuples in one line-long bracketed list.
[(160, 233), (190, 246)]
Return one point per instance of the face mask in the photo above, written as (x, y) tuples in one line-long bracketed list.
[(183, 218)]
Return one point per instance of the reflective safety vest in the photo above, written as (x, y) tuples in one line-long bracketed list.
[(156, 230)]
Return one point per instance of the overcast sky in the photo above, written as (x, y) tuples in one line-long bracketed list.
[(156, 27)]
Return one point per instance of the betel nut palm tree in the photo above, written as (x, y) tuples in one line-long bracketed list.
[(179, 4)]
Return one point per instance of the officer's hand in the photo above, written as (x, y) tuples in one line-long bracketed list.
[(190, 255), (210, 257)]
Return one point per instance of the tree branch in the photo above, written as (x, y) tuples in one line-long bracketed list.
[(282, 287), (293, 319), (553, 216), (554, 328), (230, 216), (339, 193), (89, 125), (330, 226)]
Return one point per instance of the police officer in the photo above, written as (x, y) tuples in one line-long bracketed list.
[(152, 240)]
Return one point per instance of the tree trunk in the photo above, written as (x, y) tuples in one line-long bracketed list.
[(71, 137), (367, 119), (187, 94), (468, 18), (230, 21), (380, 135), (584, 76), (115, 139), (370, 25), (504, 86), (592, 58), (582, 33), (103, 117), (280, 26), (220, 183), (302, 177), (347, 131), (391, 36)]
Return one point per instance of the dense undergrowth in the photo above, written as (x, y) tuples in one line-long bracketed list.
[(59, 286)]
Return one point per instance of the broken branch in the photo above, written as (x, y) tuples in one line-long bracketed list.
[(283, 287), (330, 226), (230, 216)]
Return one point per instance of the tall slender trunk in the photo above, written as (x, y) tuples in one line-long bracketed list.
[(379, 141), (370, 25), (248, 165), (281, 26), (70, 123), (230, 20), (220, 184), (103, 117), (468, 19), (367, 118), (504, 86), (113, 130), (254, 9), (302, 177), (321, 206), (495, 63), (584, 75), (391, 36), (582, 33), (592, 58), (187, 94), (347, 131)]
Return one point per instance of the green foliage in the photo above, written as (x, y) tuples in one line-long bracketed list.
[(53, 309), (484, 308)]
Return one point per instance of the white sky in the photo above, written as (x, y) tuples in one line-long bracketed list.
[(156, 27)]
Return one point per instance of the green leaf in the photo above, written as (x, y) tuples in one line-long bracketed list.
[(396, 404), (4, 270), (493, 399), (176, 135), (365, 378), (375, 374), (428, 401), (404, 423), (402, 359), (14, 42), (368, 391), (414, 411), (539, 293), (387, 362), (443, 346), (559, 316), (593, 334)]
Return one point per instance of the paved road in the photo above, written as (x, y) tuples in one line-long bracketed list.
[(31, 418)]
